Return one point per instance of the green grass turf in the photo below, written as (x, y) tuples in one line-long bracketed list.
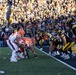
[(43, 65)]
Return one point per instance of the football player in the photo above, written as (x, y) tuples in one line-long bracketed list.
[(12, 43), (29, 45), (54, 44), (67, 44)]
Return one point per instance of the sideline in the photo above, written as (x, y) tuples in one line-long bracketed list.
[(73, 68)]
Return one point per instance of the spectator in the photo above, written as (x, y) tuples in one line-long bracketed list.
[(1, 38)]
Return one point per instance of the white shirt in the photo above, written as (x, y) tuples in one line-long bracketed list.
[(13, 36)]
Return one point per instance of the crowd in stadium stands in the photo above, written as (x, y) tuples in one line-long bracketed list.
[(37, 17)]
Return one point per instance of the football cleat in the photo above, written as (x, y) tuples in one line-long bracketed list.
[(13, 60), (66, 57), (57, 53), (21, 55), (63, 55), (54, 53), (41, 49)]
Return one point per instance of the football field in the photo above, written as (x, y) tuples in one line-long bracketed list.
[(43, 65)]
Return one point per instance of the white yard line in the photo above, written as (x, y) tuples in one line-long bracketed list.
[(73, 68)]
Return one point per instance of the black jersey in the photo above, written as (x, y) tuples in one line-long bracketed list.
[(68, 39)]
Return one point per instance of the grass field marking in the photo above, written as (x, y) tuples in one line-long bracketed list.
[(73, 68)]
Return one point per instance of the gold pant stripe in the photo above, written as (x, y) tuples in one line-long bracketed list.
[(70, 46), (64, 47)]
